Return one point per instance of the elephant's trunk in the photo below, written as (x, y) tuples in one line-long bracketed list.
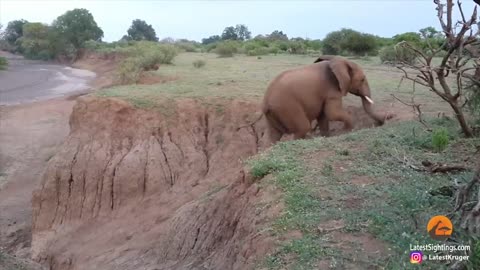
[(368, 107)]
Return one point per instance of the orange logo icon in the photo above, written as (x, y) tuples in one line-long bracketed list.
[(440, 227)]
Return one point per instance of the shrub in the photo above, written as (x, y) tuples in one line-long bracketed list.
[(282, 45), (211, 47), (160, 53), (143, 56), (199, 63), (3, 63), (360, 44), (393, 54), (274, 49), (250, 46), (258, 51), (92, 45), (440, 139), (315, 45), (297, 47), (226, 48), (169, 52), (349, 41), (185, 46), (129, 71)]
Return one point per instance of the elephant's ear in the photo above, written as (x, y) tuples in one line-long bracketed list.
[(343, 72), (324, 58)]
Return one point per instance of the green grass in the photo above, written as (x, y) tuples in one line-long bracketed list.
[(396, 201), (3, 63), (247, 77)]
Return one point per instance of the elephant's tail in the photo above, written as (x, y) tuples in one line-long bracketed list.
[(251, 124)]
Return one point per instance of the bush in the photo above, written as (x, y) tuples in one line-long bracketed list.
[(226, 48), (129, 71), (360, 44), (251, 45), (297, 47), (92, 45), (185, 46), (258, 51), (440, 139), (282, 45), (3, 63), (274, 49), (143, 56), (199, 63), (315, 45), (349, 41), (393, 54), (211, 47)]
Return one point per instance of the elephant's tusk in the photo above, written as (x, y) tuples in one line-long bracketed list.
[(369, 99)]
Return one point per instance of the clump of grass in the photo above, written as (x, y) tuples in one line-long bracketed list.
[(265, 166), (440, 139), (199, 63)]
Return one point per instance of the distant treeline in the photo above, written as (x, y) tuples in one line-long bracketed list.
[(76, 29)]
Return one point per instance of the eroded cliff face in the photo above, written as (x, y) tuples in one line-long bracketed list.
[(156, 189)]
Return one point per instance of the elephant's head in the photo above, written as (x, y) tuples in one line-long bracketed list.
[(351, 79)]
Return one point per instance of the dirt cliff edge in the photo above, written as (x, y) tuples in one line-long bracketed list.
[(146, 189)]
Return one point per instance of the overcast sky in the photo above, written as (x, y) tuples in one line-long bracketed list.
[(198, 19)]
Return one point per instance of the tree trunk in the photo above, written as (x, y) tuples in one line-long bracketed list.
[(467, 131)]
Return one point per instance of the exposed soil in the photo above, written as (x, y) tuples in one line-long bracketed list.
[(128, 181), (126, 174), (104, 65)]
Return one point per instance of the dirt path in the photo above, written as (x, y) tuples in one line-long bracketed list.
[(29, 136)]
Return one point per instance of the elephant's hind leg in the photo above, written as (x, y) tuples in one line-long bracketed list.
[(275, 129), (274, 135), (302, 127)]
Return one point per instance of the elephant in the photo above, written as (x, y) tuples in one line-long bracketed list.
[(296, 97)]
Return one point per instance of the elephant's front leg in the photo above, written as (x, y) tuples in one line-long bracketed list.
[(322, 123), (334, 112)]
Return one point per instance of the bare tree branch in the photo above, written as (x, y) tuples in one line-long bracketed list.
[(461, 11)]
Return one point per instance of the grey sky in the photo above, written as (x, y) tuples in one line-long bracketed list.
[(199, 19)]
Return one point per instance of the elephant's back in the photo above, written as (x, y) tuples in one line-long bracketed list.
[(298, 87), (304, 81)]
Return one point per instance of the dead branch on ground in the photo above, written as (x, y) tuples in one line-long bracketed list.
[(442, 168)]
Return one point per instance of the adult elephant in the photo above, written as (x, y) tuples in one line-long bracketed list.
[(298, 96)]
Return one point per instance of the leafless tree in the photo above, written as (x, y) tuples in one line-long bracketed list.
[(446, 79)]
